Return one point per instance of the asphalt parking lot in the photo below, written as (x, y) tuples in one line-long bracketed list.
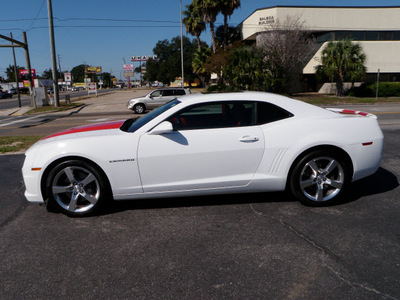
[(248, 246)]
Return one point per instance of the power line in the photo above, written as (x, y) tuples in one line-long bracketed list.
[(40, 9), (92, 19)]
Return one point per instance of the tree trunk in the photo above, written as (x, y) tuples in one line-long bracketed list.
[(339, 84), (225, 30), (214, 46), (198, 42)]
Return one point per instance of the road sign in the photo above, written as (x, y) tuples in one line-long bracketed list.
[(91, 87), (67, 77)]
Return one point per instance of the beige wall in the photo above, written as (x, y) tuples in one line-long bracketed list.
[(325, 18), (383, 55)]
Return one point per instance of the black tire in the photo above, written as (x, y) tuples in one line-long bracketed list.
[(139, 108), (76, 188), (320, 178)]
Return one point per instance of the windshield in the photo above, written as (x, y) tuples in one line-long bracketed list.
[(132, 125)]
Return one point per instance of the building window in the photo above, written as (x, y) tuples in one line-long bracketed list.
[(385, 35), (371, 35)]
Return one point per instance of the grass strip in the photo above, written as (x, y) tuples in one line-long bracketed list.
[(11, 144)]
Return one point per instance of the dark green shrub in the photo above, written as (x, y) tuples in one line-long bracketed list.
[(221, 88), (386, 89)]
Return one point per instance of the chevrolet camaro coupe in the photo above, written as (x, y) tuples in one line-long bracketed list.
[(205, 144)]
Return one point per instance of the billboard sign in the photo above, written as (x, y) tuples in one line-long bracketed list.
[(143, 58), (23, 74), (128, 70), (92, 70)]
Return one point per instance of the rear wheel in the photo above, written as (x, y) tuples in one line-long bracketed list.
[(76, 188), (320, 178), (139, 108)]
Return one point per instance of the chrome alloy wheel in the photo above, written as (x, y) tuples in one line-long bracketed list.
[(139, 108), (321, 179), (76, 189)]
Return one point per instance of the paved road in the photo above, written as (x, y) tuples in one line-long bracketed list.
[(250, 246), (10, 103)]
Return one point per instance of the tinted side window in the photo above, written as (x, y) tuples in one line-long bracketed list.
[(168, 93), (215, 115), (267, 112)]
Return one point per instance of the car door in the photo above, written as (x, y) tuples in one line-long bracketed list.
[(208, 149), (154, 100)]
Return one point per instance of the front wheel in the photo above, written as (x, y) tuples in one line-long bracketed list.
[(319, 178), (76, 188), (139, 108)]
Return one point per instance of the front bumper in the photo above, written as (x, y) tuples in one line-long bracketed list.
[(32, 178)]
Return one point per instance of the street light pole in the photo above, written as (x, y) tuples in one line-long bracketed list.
[(53, 54), (183, 78)]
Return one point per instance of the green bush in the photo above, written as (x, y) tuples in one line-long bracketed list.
[(386, 89), (221, 88)]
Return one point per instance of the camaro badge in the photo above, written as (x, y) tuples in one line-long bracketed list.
[(121, 160)]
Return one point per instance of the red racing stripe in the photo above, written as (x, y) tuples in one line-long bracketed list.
[(93, 127)]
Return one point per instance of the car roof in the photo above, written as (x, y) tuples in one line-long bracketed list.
[(297, 107)]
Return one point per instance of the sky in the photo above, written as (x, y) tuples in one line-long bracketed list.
[(108, 32)]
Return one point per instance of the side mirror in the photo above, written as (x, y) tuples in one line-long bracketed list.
[(162, 128)]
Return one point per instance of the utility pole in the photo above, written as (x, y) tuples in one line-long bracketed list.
[(15, 71), (53, 54), (28, 66), (24, 45)]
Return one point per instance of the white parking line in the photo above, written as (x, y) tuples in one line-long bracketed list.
[(18, 121)]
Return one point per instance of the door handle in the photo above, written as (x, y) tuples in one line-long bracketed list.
[(249, 139)]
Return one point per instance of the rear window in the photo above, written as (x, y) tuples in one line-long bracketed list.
[(267, 113)]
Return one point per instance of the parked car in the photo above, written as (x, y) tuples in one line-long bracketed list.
[(203, 145), (13, 91), (24, 90), (5, 94), (155, 99)]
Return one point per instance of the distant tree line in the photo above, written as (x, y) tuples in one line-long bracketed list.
[(273, 65)]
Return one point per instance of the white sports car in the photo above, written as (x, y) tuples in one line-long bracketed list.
[(206, 144)]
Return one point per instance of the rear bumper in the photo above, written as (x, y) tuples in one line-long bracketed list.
[(366, 158)]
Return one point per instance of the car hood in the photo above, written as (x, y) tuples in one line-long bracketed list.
[(88, 128), (139, 98)]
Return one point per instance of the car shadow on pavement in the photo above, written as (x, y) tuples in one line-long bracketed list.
[(380, 182), (213, 200)]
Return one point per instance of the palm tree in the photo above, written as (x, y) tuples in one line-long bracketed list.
[(227, 7), (209, 10), (200, 58), (194, 23), (342, 61)]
